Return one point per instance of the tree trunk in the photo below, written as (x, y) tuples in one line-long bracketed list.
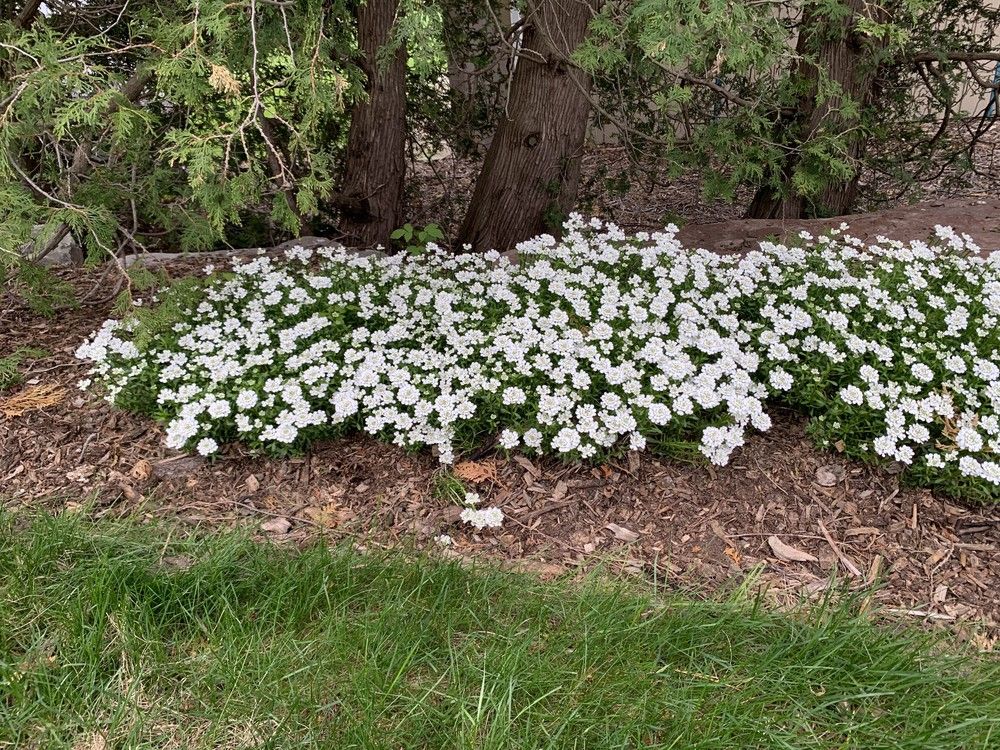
[(22, 15), (371, 199), (838, 51), (22, 18), (480, 62), (531, 173)]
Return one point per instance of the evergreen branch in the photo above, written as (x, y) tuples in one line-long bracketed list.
[(968, 59), (130, 91)]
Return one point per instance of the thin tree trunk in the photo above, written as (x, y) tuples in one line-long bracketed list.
[(845, 57), (531, 174), (371, 200), (28, 14), (22, 17), (480, 62)]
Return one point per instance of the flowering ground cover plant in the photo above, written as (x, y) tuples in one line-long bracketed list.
[(595, 343), (893, 348)]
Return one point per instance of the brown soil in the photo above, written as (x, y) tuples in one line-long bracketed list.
[(979, 218), (688, 526)]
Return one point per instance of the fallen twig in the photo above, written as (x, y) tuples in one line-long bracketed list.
[(848, 563)]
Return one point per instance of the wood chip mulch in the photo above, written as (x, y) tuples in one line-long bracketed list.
[(783, 515)]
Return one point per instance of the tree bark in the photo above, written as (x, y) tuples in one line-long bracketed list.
[(22, 17), (531, 173), (844, 56), (28, 14), (371, 199)]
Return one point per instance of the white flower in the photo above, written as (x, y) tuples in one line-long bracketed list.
[(509, 439), (956, 364), (969, 439), (852, 395), (246, 399), (207, 446), (586, 345), (566, 440), (533, 438), (659, 414), (485, 518), (922, 372), (780, 379), (934, 460), (219, 409), (513, 396)]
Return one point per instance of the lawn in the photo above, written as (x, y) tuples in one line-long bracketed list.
[(129, 636)]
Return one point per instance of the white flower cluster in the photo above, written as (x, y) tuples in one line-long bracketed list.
[(893, 346), (481, 518), (589, 344)]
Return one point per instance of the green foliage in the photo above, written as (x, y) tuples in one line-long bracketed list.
[(174, 303), (420, 28), (196, 125), (184, 126), (656, 63), (43, 291), (416, 239), (10, 366), (930, 113), (721, 88), (446, 486)]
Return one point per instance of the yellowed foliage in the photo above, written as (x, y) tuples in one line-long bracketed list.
[(476, 471), (32, 399), (223, 81)]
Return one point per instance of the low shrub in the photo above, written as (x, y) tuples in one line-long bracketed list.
[(595, 343), (891, 347)]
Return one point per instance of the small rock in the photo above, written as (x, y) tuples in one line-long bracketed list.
[(279, 525), (67, 253), (829, 476)]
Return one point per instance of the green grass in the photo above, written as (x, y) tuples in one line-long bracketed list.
[(128, 637)]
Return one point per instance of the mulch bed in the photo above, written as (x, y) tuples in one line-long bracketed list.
[(687, 526)]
